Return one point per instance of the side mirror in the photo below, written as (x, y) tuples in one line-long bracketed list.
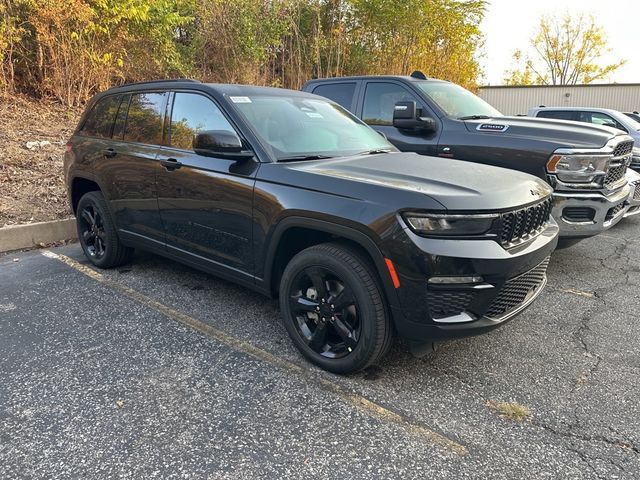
[(405, 118), (220, 143)]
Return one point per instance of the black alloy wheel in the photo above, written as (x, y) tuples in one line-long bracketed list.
[(326, 312), (334, 309), (97, 232), (93, 235)]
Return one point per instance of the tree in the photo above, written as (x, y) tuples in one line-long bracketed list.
[(568, 51)]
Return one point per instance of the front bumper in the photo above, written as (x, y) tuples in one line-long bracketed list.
[(581, 215), (508, 282), (634, 196)]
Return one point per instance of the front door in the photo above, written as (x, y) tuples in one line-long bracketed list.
[(205, 202), (377, 111)]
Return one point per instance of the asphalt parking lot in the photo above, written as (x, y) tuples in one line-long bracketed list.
[(155, 370)]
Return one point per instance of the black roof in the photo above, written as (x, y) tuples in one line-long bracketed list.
[(221, 88)]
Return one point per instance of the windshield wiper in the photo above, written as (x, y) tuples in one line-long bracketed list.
[(295, 158), (475, 117), (374, 151)]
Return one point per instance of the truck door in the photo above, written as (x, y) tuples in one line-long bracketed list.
[(378, 102)]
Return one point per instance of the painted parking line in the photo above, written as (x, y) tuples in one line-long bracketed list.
[(363, 404)]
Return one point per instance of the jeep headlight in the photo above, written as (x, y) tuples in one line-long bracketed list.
[(578, 168), (431, 224)]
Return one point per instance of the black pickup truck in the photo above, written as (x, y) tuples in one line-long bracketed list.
[(289, 194), (585, 164)]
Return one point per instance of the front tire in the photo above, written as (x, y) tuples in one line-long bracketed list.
[(334, 309), (97, 233)]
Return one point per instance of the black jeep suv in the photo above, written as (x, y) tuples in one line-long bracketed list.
[(289, 194)]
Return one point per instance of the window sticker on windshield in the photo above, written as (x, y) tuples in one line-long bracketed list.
[(240, 99), (314, 115)]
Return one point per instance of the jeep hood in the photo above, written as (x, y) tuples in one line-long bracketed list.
[(455, 184), (560, 133)]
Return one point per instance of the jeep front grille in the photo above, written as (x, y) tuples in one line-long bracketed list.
[(521, 225), (517, 291)]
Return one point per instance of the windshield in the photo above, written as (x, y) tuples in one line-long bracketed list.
[(630, 122), (457, 102), (298, 127)]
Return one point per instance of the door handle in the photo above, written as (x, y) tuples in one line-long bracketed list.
[(170, 164), (109, 153)]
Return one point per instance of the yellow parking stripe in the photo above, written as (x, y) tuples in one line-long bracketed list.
[(358, 401)]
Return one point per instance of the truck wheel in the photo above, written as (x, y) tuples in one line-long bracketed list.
[(97, 233), (333, 308)]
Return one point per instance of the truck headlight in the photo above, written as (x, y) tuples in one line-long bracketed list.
[(578, 168), (429, 224)]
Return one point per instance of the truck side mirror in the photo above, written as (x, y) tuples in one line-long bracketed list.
[(405, 118)]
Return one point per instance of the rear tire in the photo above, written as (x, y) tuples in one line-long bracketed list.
[(97, 233), (334, 309)]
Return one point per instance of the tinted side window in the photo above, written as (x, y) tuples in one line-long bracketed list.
[(100, 119), (558, 114), (144, 120), (193, 113), (341, 93), (121, 117), (379, 100)]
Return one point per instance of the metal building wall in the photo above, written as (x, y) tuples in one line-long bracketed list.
[(518, 100)]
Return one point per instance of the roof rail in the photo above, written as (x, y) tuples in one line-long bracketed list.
[(163, 80)]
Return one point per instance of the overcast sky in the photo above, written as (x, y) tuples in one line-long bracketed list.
[(510, 24)]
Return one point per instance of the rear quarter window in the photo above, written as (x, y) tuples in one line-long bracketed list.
[(99, 121), (341, 93), (558, 114)]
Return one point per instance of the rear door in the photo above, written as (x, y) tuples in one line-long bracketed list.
[(379, 99), (129, 168), (205, 202)]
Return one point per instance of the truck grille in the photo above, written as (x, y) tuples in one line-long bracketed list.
[(614, 211), (636, 192), (445, 304), (623, 149), (615, 174), (518, 290), (521, 225), (635, 163)]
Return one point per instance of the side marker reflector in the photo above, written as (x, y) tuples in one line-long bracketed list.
[(392, 273)]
